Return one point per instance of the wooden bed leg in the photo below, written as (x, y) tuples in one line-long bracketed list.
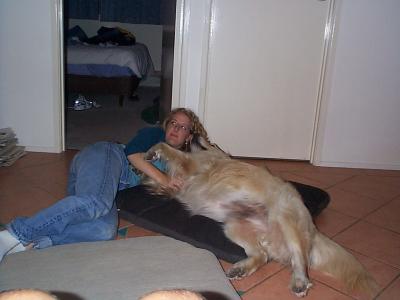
[(121, 100)]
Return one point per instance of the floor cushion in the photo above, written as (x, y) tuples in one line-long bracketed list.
[(169, 217), (121, 269)]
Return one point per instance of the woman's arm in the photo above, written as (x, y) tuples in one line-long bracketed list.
[(138, 161)]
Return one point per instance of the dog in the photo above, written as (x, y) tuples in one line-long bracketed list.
[(262, 213)]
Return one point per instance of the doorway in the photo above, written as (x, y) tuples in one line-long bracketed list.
[(94, 112)]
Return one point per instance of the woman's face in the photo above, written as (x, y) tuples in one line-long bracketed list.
[(178, 130)]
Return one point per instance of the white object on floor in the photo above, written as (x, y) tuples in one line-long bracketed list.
[(82, 103), (8, 243)]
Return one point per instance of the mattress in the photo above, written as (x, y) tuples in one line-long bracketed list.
[(108, 59)]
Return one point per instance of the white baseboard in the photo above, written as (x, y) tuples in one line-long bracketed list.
[(358, 165), (43, 149)]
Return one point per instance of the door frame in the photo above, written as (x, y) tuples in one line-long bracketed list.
[(327, 60), (177, 66), (192, 32), (59, 52)]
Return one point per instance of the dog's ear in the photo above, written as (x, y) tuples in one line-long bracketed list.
[(198, 143)]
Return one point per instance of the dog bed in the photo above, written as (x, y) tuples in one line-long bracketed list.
[(169, 217)]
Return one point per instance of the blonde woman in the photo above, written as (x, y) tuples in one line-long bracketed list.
[(97, 173)]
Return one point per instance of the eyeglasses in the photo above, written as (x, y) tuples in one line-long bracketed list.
[(178, 127)]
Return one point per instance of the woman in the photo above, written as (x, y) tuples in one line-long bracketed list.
[(89, 213)]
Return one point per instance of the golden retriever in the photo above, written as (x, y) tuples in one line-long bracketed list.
[(260, 212)]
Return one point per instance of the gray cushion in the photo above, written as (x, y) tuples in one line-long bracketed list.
[(123, 269)]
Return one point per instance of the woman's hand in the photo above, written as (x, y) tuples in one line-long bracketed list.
[(174, 183)]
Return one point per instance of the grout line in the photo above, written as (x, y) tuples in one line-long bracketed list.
[(387, 286), (381, 227), (369, 197), (334, 288), (262, 281), (341, 181), (372, 258), (346, 228)]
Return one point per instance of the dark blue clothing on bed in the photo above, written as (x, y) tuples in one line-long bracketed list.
[(88, 212)]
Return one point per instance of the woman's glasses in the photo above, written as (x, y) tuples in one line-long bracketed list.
[(174, 124)]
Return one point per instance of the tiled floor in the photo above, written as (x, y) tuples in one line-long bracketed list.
[(363, 216)]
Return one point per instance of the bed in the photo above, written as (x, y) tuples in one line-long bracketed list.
[(107, 68)]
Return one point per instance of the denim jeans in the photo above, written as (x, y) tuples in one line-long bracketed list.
[(88, 213)]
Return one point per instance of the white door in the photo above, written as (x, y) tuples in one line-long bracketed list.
[(263, 73)]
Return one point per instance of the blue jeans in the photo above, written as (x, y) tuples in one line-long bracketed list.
[(88, 213)]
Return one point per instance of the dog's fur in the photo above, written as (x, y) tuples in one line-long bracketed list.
[(260, 212)]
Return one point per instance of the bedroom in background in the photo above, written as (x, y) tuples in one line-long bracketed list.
[(116, 71)]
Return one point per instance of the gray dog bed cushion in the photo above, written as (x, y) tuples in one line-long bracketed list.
[(123, 269), (169, 217)]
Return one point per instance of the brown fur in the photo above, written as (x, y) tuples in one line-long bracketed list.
[(260, 212)]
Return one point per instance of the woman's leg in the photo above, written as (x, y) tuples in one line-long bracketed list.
[(102, 229), (94, 181)]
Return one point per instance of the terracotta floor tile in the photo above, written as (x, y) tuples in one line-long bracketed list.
[(277, 287), (287, 166), (12, 180), (257, 162), (48, 174), (331, 222), (392, 292), (260, 275), (296, 178), (353, 204), (388, 216), (385, 173), (37, 158), (390, 180), (342, 171), (373, 241), (23, 201), (371, 186), (325, 176)]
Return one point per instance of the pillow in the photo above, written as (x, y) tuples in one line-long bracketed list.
[(169, 217)]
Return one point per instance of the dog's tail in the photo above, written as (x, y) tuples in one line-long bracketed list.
[(328, 257)]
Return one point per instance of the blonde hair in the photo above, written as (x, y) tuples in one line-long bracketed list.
[(197, 127), (175, 294), (26, 294)]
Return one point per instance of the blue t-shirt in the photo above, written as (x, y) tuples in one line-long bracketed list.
[(144, 140), (140, 143)]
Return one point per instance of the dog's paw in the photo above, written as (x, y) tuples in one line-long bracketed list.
[(300, 289), (236, 273)]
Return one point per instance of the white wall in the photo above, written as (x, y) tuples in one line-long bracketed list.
[(150, 35), (29, 73), (360, 117)]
